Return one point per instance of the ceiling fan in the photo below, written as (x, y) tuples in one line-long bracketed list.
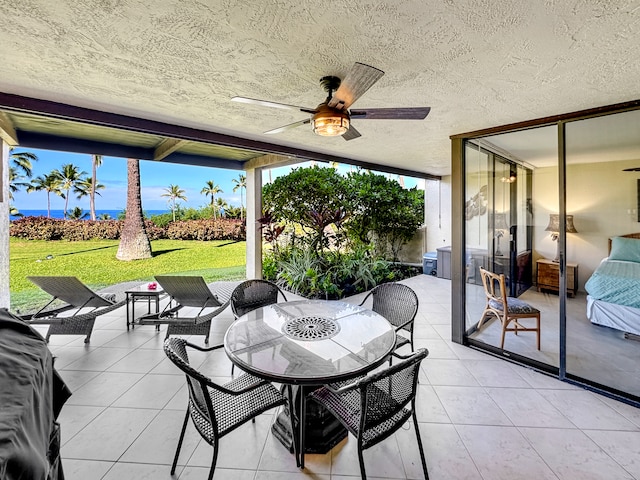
[(333, 117)]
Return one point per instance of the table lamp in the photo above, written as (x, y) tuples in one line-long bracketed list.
[(554, 228), (499, 227)]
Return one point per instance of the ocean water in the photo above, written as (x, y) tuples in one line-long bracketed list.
[(60, 213)]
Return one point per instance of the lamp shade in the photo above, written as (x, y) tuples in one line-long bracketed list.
[(500, 221), (554, 224), (329, 122), (569, 225)]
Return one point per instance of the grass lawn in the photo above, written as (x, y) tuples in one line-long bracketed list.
[(94, 263)]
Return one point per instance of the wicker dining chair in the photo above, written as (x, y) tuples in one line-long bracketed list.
[(81, 306), (252, 294), (508, 310), (218, 409), (397, 303), (374, 407)]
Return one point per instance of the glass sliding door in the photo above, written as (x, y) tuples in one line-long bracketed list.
[(478, 230), (554, 205), (602, 191), (511, 237)]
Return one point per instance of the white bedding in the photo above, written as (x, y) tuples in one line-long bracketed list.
[(615, 316)]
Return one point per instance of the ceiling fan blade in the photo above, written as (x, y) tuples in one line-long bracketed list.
[(288, 127), (265, 103), (410, 113), (359, 79), (351, 133)]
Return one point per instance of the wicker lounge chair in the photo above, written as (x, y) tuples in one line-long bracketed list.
[(189, 291), (218, 409), (82, 305)]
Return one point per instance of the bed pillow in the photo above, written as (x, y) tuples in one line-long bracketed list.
[(626, 249)]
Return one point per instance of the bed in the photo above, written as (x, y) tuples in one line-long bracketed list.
[(613, 291)]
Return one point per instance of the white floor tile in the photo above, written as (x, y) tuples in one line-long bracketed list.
[(586, 410), (502, 453), (514, 401), (471, 405), (573, 455), (480, 417), (109, 435)]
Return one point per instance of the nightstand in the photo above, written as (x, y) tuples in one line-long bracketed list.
[(548, 276)]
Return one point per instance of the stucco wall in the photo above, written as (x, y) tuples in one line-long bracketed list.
[(4, 220), (438, 213)]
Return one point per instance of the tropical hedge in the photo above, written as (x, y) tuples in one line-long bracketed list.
[(43, 228)]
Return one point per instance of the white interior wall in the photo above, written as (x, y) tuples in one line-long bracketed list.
[(603, 201)]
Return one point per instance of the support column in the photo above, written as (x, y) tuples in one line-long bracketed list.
[(254, 211), (5, 296)]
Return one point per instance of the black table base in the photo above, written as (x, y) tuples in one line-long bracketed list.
[(322, 430)]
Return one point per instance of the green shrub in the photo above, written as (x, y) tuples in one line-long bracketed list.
[(162, 220), (332, 236)]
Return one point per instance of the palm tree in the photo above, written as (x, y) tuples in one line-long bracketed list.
[(220, 206), (20, 169), (134, 242), (104, 216), (84, 188), (241, 183), (50, 183), (77, 213), (174, 192), (96, 161), (14, 212), (211, 189), (70, 175), (23, 161), (15, 181)]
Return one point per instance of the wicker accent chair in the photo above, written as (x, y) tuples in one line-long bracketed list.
[(374, 407), (189, 291), (218, 409), (79, 311), (397, 303), (508, 310)]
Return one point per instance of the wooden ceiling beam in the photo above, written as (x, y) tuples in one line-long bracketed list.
[(166, 147), (7, 131), (270, 160)]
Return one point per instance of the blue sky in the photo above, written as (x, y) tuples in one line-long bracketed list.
[(155, 179)]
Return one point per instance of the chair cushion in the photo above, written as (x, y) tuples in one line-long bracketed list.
[(515, 306)]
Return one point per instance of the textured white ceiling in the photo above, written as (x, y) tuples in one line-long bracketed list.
[(477, 63)]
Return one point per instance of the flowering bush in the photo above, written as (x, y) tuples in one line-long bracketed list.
[(43, 228)]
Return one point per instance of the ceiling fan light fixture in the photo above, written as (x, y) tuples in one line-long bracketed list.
[(329, 122)]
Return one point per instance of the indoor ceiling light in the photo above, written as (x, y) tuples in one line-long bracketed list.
[(329, 122)]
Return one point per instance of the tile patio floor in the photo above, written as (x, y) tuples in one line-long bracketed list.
[(480, 418)]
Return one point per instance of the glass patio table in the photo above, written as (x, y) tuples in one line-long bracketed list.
[(303, 345)]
